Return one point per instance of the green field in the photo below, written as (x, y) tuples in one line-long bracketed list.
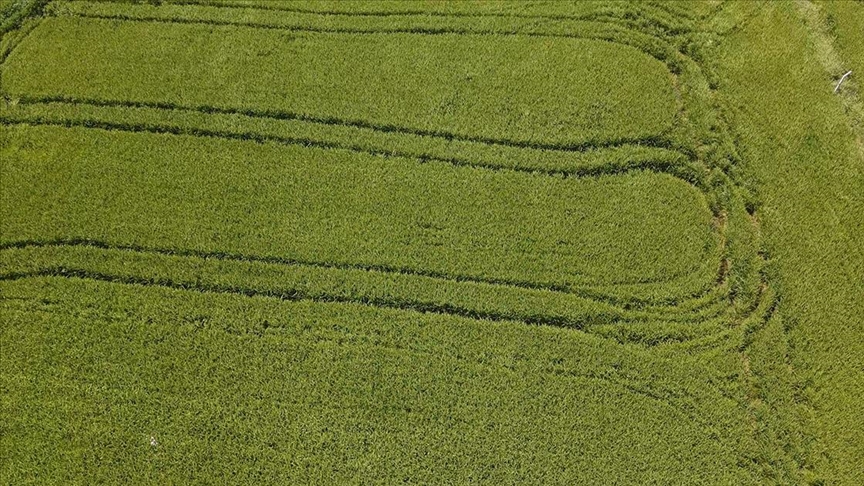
[(314, 242)]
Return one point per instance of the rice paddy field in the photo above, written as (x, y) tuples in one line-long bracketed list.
[(380, 242)]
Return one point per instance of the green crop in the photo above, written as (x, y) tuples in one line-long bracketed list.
[(309, 393), (802, 149), (450, 85), (844, 20), (320, 242), (351, 208)]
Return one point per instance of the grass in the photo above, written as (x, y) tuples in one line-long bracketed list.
[(14, 12), (427, 398), (801, 148), (381, 70), (375, 242), (352, 208), (844, 19)]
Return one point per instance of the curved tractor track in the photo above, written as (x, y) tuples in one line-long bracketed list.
[(673, 152), (713, 306)]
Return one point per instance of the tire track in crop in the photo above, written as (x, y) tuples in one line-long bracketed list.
[(324, 30), (660, 140), (576, 172), (298, 295), (35, 13), (606, 15), (661, 167), (672, 9), (16, 42), (372, 31), (660, 49), (581, 292), (755, 313), (292, 295), (657, 141), (657, 47), (658, 166), (653, 141), (666, 396), (666, 160), (60, 272), (688, 174), (749, 320), (371, 13)]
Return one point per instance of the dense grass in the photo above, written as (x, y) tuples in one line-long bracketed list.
[(14, 12), (351, 208), (378, 82), (797, 142), (304, 392), (270, 127), (844, 20), (378, 242)]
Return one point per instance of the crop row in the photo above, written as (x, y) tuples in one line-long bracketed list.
[(240, 275), (696, 127), (386, 140), (272, 126), (451, 86), (319, 386), (352, 207)]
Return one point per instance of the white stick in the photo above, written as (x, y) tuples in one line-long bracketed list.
[(841, 81)]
